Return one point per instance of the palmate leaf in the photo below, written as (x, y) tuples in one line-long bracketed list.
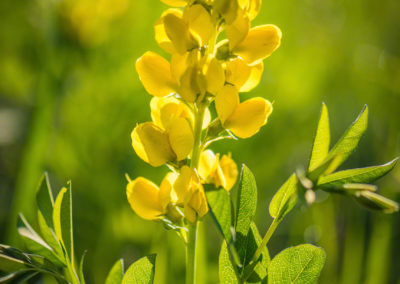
[(322, 139), (219, 202), (246, 209), (300, 264), (116, 273), (141, 271), (362, 175), (285, 199), (62, 219)]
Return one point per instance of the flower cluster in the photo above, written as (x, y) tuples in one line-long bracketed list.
[(202, 69)]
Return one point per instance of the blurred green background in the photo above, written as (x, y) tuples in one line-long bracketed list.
[(70, 96)]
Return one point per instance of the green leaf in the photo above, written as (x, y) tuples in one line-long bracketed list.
[(116, 273), (362, 175), (285, 199), (141, 272), (20, 276), (374, 201), (219, 202), (35, 243), (300, 264), (49, 237), (226, 270), (348, 142), (321, 141), (81, 275), (9, 264), (246, 208), (44, 200), (62, 219)]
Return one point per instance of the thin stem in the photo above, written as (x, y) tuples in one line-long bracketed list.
[(191, 253), (258, 252)]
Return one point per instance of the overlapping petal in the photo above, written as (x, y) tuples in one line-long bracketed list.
[(155, 73), (260, 42), (176, 3), (243, 76), (181, 138)]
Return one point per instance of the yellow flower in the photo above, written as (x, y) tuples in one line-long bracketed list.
[(147, 199), (176, 3), (260, 42), (243, 119), (221, 172), (245, 77), (179, 32), (190, 194)]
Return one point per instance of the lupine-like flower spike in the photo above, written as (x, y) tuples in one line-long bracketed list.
[(202, 68)]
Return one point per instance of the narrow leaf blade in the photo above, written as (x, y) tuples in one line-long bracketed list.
[(285, 199), (349, 141), (300, 264), (44, 200), (141, 271), (362, 175), (219, 202), (116, 273), (321, 141)]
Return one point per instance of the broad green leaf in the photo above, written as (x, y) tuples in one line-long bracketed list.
[(285, 199), (62, 219), (377, 202), (219, 202), (34, 242), (141, 272), (116, 273), (322, 140), (226, 269), (300, 264), (349, 141), (44, 200), (246, 208), (362, 175)]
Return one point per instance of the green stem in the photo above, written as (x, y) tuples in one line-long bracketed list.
[(258, 252), (191, 254)]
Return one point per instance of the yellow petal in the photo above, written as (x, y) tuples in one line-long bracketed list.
[(227, 8), (214, 75), (175, 3), (198, 202), (229, 170), (167, 109), (178, 33), (151, 144), (143, 196), (181, 138), (207, 118), (237, 31), (183, 183), (252, 7), (190, 213), (226, 102), (248, 117), (154, 72), (167, 194), (218, 176), (207, 164), (189, 87), (259, 43), (254, 78), (237, 72), (181, 62), (199, 22), (161, 35)]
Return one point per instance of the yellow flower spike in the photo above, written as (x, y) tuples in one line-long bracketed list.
[(227, 8), (226, 102), (144, 198), (151, 144), (259, 43), (165, 110), (248, 117), (181, 138), (237, 31), (161, 36), (167, 193), (229, 170), (178, 32), (199, 22), (176, 3), (154, 72), (214, 75)]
